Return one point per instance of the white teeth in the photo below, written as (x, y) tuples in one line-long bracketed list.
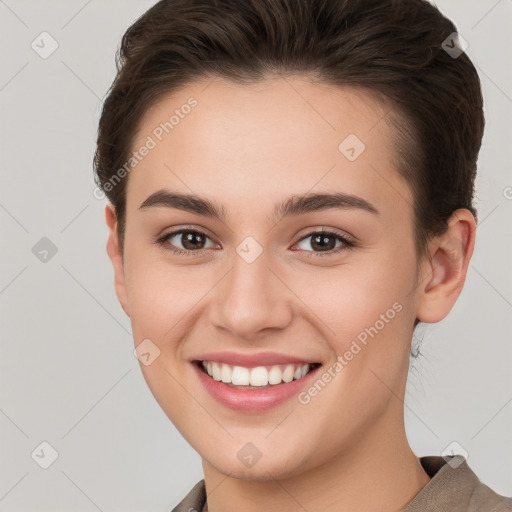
[(216, 372), (288, 373), (259, 376), (274, 375), (240, 376), (226, 373)]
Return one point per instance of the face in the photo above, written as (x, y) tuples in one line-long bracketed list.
[(257, 291)]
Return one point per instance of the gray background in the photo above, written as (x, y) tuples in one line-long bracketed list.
[(67, 371)]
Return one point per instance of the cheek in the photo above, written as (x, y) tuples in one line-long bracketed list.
[(366, 315), (162, 296), (164, 303), (348, 301), (344, 303)]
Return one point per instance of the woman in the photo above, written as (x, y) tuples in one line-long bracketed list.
[(290, 187)]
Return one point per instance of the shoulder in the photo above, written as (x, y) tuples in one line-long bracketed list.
[(194, 501), (454, 487)]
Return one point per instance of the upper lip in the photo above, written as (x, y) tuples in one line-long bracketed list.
[(251, 360)]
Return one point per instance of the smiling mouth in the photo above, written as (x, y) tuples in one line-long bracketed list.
[(258, 377)]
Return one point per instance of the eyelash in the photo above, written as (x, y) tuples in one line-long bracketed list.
[(346, 242)]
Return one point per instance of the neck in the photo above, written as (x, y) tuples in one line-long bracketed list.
[(380, 473)]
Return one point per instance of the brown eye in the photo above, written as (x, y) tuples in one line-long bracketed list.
[(185, 241), (192, 240), (328, 242)]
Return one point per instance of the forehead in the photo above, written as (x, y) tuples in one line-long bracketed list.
[(248, 144)]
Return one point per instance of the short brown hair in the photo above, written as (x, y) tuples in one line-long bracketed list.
[(392, 48)]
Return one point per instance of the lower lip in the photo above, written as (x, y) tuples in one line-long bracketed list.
[(256, 400)]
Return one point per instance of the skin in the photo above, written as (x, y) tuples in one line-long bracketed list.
[(247, 147)]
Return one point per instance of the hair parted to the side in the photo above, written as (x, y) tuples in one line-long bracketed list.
[(391, 48)]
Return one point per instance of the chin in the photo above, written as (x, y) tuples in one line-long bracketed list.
[(248, 464)]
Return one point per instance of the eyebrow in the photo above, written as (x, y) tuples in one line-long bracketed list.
[(294, 205)]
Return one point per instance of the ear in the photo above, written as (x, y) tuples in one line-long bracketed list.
[(116, 257), (445, 268)]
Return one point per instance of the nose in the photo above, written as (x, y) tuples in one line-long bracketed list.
[(252, 299)]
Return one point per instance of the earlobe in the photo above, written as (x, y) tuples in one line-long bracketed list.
[(445, 271), (116, 257)]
